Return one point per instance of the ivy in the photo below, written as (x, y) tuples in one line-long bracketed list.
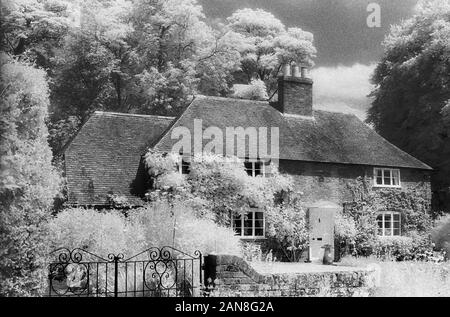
[(220, 187), (412, 204)]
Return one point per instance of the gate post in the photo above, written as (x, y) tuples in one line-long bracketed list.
[(116, 275), (210, 273)]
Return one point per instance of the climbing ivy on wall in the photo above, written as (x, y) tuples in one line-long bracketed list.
[(367, 202)]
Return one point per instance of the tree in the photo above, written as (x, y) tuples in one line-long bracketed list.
[(412, 88), (269, 44), (33, 29), (28, 182), (93, 68), (180, 53)]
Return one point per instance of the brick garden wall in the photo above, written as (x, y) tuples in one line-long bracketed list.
[(234, 277)]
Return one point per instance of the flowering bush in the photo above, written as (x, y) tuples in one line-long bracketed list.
[(218, 187), (177, 225), (98, 232)]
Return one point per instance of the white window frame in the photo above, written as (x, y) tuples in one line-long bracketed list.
[(383, 222), (253, 168), (391, 177), (184, 161), (253, 236)]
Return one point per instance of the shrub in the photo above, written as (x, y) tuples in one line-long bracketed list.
[(287, 230), (345, 233), (441, 235), (220, 187), (28, 181), (100, 233), (404, 248), (178, 226), (407, 278)]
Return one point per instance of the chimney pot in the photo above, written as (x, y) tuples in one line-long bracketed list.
[(286, 70), (295, 71), (304, 72), (295, 92)]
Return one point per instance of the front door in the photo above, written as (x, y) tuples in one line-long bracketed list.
[(321, 226)]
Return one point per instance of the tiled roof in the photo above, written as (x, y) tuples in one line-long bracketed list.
[(329, 137), (104, 158)]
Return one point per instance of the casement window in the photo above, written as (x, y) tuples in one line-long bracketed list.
[(184, 166), (386, 177), (257, 167), (250, 225), (389, 223)]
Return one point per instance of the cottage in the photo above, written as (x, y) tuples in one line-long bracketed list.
[(322, 150)]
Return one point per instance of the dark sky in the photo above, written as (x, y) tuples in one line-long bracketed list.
[(341, 34)]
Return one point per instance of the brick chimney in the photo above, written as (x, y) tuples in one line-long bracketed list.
[(295, 91)]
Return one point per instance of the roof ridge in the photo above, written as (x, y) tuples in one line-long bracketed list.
[(262, 102), (132, 115)]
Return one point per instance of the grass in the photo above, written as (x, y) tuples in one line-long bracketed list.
[(408, 278)]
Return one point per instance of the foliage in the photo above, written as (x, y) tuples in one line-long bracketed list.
[(35, 29), (415, 219), (61, 132), (101, 233), (255, 91), (28, 182), (269, 44), (174, 224), (218, 187), (407, 278), (403, 248), (143, 56), (441, 235), (345, 232), (412, 90)]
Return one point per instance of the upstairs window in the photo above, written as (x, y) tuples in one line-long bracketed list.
[(389, 224), (256, 167), (184, 166), (386, 177), (250, 225)]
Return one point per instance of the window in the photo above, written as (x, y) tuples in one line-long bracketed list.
[(386, 177), (185, 166), (389, 224), (257, 167), (250, 225)]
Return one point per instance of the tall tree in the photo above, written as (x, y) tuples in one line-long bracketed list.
[(33, 29), (412, 88), (28, 181), (269, 44)]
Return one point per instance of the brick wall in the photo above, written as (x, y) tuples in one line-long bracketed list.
[(234, 277), (326, 181), (295, 95)]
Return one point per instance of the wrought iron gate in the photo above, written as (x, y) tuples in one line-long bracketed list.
[(155, 272)]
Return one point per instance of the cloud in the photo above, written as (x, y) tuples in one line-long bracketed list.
[(343, 89)]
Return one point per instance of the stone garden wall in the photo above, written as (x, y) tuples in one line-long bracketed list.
[(231, 276)]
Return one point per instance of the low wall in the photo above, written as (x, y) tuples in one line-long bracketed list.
[(231, 276)]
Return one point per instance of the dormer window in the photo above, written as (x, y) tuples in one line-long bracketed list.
[(256, 167), (184, 166), (386, 177)]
